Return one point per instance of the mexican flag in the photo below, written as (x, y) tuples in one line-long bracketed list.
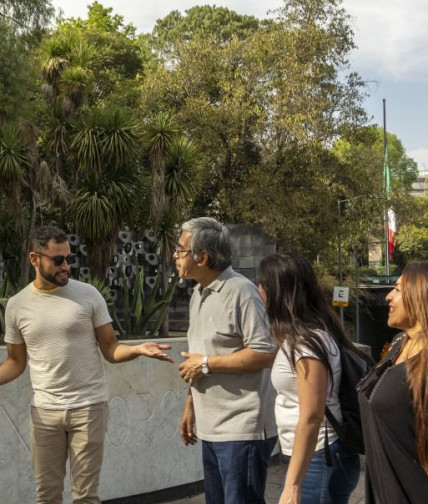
[(392, 229), (392, 226)]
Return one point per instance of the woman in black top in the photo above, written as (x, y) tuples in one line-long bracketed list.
[(394, 400)]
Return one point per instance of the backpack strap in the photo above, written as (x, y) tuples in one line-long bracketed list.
[(332, 419), (336, 426), (327, 452)]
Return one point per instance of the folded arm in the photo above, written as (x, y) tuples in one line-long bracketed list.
[(242, 361)]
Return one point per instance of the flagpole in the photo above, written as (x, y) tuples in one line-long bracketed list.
[(385, 163)]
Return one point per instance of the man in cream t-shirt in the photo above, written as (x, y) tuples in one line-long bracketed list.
[(60, 325)]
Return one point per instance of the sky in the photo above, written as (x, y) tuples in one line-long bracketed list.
[(391, 55)]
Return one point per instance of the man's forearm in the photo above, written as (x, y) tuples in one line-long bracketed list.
[(116, 352), (10, 370), (15, 363), (122, 352), (242, 361)]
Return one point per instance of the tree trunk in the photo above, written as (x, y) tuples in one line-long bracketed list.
[(158, 195)]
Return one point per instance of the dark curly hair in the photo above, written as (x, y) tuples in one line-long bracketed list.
[(41, 236)]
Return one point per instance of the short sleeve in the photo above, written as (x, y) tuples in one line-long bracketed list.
[(328, 343), (305, 352), (100, 314), (254, 324)]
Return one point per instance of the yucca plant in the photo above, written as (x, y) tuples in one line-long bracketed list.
[(144, 314), (14, 155), (26, 181), (144, 308), (106, 146), (159, 134), (181, 181)]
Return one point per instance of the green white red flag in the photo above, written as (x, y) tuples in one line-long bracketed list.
[(392, 226)]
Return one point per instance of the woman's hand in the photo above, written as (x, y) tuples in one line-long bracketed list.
[(291, 495)]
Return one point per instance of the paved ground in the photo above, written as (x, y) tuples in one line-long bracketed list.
[(275, 476)]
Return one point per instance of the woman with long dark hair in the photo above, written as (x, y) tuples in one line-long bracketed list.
[(394, 399), (306, 375)]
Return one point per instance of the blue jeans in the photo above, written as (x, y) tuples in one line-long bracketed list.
[(235, 472), (330, 485)]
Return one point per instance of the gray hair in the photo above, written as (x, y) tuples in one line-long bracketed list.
[(212, 236)]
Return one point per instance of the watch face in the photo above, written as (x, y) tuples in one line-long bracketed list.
[(205, 369)]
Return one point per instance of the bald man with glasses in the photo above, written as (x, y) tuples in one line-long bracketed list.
[(60, 325)]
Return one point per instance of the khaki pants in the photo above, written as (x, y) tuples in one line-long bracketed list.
[(79, 433)]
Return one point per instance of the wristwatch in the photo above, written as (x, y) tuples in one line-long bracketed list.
[(205, 368)]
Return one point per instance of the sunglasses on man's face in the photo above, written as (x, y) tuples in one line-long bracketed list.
[(59, 259)]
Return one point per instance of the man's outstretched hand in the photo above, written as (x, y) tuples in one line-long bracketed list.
[(154, 350)]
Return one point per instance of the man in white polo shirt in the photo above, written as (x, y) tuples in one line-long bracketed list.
[(231, 397), (60, 325)]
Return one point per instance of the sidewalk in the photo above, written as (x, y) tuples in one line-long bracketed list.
[(273, 488)]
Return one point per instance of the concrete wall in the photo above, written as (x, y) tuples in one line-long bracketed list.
[(143, 452), (249, 246)]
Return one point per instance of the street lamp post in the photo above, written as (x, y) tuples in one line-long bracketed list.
[(339, 247)]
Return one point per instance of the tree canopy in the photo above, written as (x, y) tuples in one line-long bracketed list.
[(212, 113)]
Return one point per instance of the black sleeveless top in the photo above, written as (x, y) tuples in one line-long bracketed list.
[(394, 474)]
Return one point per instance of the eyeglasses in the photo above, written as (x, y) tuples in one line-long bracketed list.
[(179, 251), (59, 259)]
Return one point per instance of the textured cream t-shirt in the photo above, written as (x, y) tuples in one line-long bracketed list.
[(58, 329)]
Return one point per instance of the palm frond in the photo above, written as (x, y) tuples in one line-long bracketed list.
[(85, 142), (166, 234), (180, 179), (84, 54), (98, 209), (53, 67), (107, 137), (160, 131), (56, 52), (122, 138), (93, 214), (57, 133), (74, 83), (14, 155)]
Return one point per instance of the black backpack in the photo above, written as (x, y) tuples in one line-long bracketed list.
[(354, 367)]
